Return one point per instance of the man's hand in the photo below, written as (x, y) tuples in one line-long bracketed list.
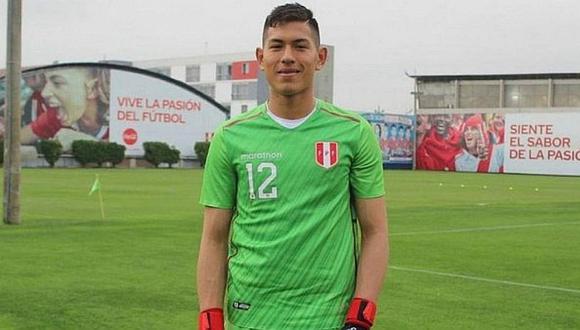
[(361, 315), (211, 319), (47, 124), (482, 150)]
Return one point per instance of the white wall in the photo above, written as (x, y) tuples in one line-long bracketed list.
[(223, 91), (207, 72)]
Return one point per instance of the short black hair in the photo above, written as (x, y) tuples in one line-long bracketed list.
[(291, 12)]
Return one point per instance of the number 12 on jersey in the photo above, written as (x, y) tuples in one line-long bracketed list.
[(265, 190)]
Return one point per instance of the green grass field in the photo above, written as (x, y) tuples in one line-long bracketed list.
[(462, 257)]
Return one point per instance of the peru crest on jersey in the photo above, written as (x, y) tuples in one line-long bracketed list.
[(326, 154)]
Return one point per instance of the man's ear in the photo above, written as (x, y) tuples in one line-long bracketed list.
[(92, 90), (260, 57), (322, 56)]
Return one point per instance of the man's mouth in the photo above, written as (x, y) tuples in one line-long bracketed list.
[(52, 103), (288, 72)]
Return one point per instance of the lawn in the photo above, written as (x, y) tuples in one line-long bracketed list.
[(467, 252)]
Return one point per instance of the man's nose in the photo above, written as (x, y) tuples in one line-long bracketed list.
[(288, 55), (47, 91)]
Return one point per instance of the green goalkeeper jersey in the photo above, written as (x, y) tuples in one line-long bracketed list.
[(292, 256)]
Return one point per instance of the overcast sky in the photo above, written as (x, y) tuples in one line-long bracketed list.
[(376, 41)]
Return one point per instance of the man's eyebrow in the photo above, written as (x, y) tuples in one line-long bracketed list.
[(298, 41), (55, 77), (280, 41)]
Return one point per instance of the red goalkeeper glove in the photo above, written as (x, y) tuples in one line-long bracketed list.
[(211, 319), (47, 124), (361, 315)]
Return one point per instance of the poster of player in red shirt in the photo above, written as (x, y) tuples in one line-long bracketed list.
[(460, 142)]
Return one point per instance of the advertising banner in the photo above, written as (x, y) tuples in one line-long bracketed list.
[(543, 143), (104, 102), (461, 142), (395, 134), (148, 109), (527, 143)]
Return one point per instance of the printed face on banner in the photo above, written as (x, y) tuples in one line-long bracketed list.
[(65, 103), (473, 137)]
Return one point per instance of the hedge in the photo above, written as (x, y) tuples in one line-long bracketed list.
[(115, 153), (160, 152), (98, 152), (51, 150)]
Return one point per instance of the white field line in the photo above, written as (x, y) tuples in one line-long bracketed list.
[(475, 229), (482, 279)]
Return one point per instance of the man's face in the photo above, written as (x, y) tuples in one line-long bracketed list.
[(498, 121), (401, 133), (35, 81), (290, 58), (441, 123), (472, 137), (68, 90), (393, 132)]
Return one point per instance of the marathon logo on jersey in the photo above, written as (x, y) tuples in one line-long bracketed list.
[(269, 156), (326, 154), (241, 305)]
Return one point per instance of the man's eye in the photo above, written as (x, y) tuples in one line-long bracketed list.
[(58, 82)]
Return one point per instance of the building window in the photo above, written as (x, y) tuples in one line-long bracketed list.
[(526, 95), (207, 89), (567, 95), (436, 94), (244, 108), (162, 70), (245, 91), (245, 68), (479, 95), (223, 71), (192, 73)]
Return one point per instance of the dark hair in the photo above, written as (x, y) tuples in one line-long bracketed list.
[(291, 12)]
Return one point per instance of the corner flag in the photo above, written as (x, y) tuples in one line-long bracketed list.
[(96, 186)]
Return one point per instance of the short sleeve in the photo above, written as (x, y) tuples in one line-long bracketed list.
[(219, 178), (366, 175)]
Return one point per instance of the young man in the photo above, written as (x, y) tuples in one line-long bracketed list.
[(281, 185)]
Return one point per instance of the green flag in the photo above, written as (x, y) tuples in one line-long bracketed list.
[(96, 186)]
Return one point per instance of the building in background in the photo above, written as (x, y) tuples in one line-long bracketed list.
[(234, 80), (514, 123)]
